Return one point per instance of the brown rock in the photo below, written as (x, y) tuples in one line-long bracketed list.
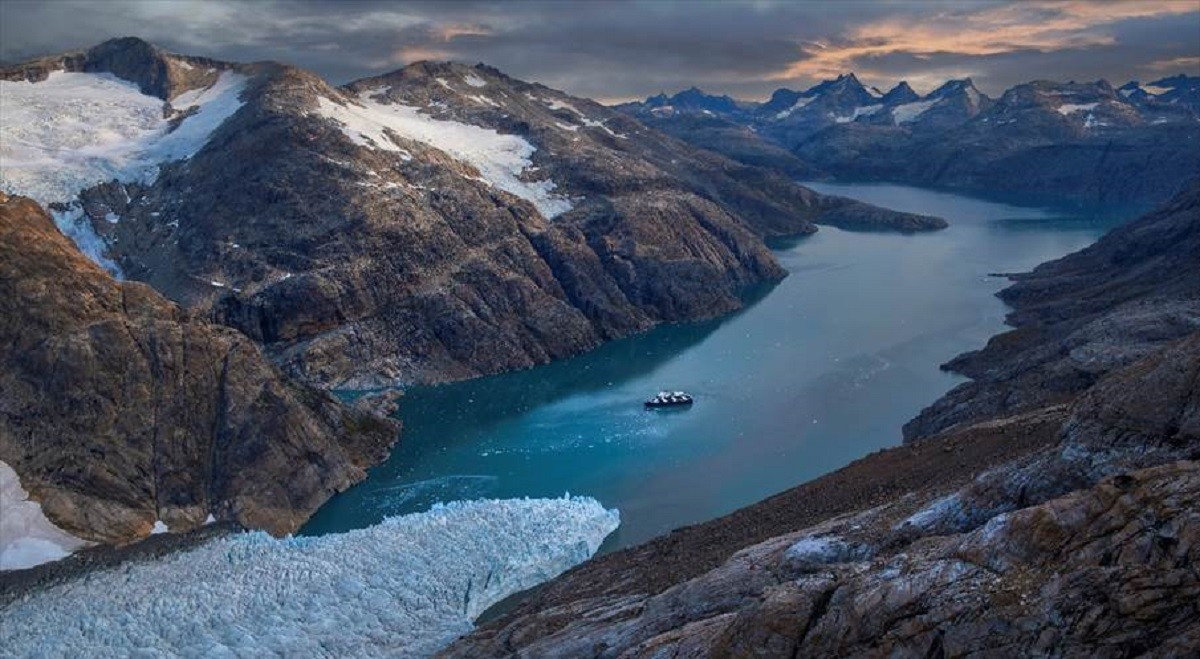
[(119, 409)]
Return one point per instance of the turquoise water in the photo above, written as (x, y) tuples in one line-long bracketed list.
[(819, 370)]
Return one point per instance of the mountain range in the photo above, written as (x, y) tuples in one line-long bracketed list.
[(1136, 145)]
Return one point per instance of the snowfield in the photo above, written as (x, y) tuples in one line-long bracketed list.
[(1067, 109), (74, 130), (500, 159), (405, 587), (27, 538), (910, 111)]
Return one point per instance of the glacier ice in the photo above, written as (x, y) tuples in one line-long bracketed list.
[(74, 130), (75, 225), (501, 159), (27, 538), (405, 587)]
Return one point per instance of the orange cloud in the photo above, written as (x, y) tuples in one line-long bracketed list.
[(1043, 25), (455, 30), (1175, 64)]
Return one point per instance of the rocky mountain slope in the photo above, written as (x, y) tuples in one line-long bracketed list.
[(1085, 141), (122, 413), (1081, 317), (436, 223), (1065, 526)]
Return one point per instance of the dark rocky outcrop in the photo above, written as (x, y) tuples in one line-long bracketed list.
[(1065, 527), (120, 409)]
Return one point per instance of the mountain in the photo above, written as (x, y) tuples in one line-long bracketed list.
[(1084, 142), (1178, 91), (688, 101), (1048, 525), (436, 223), (899, 94), (123, 413)]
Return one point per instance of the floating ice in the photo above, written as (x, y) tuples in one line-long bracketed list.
[(74, 130), (500, 159), (27, 538), (405, 587)]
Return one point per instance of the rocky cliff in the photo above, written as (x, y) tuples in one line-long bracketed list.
[(121, 410), (436, 223), (1064, 526)]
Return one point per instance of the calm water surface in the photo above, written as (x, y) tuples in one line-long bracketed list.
[(821, 369)]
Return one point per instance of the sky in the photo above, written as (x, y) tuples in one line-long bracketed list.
[(615, 51)]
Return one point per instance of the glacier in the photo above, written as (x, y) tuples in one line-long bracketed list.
[(405, 587), (74, 130)]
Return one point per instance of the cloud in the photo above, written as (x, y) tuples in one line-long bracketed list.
[(979, 32), (620, 50)]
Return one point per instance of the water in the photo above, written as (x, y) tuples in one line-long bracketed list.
[(822, 369)]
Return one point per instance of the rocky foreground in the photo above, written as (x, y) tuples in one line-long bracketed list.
[(122, 412), (1043, 520)]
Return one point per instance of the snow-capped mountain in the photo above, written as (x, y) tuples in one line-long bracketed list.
[(688, 101), (434, 223), (1166, 95), (901, 93), (1044, 135)]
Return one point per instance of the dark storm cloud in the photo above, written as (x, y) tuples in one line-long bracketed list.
[(632, 49)]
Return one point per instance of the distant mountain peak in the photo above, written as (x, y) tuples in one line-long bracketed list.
[(900, 94)]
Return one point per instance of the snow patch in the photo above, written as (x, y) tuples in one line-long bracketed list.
[(800, 102), (483, 100), (405, 587), (474, 80), (74, 130), (1069, 108), (159, 527), (865, 110), (500, 159), (27, 538), (906, 112)]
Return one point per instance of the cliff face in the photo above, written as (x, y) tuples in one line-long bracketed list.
[(121, 410), (1058, 524)]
